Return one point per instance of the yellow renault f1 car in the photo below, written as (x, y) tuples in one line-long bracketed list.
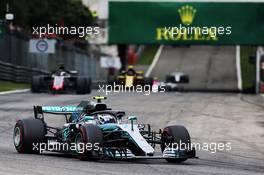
[(130, 78)]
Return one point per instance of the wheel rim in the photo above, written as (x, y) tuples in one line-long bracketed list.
[(166, 138), (78, 141), (17, 136)]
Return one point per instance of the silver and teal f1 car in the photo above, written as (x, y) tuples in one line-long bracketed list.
[(94, 131)]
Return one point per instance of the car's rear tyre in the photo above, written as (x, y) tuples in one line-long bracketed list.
[(88, 85), (148, 82), (185, 79), (36, 84), (92, 136), (167, 79), (111, 80), (27, 133), (177, 135), (181, 88), (81, 85), (168, 89)]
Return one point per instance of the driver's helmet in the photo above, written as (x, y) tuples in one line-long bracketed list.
[(105, 118), (130, 70), (63, 74), (61, 67)]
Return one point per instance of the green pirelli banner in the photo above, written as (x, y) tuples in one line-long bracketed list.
[(186, 23)]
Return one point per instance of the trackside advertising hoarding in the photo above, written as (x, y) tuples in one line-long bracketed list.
[(186, 23)]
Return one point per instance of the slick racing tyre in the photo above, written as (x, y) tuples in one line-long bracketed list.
[(27, 133), (185, 79), (148, 82), (88, 141), (177, 135), (111, 80), (88, 85), (81, 85), (36, 84)]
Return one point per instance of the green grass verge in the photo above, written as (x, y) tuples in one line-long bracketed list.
[(8, 86), (247, 68), (147, 55)]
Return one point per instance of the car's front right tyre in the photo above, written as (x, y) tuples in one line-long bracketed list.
[(88, 141), (28, 134)]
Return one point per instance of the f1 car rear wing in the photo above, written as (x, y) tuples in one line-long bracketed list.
[(68, 110), (57, 110)]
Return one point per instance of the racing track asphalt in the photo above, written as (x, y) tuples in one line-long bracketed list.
[(210, 68), (209, 117)]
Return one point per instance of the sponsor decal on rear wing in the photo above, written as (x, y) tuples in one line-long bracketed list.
[(58, 109), (40, 110)]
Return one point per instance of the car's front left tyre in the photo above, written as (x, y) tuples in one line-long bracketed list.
[(175, 136)]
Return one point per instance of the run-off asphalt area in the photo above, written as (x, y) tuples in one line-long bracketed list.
[(209, 118)]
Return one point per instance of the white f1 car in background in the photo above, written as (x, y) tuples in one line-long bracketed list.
[(174, 81)]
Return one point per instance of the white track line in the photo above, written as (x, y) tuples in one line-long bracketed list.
[(238, 69), (259, 54), (14, 91), (173, 1), (154, 62)]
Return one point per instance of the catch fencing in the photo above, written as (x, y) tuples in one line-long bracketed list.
[(18, 64)]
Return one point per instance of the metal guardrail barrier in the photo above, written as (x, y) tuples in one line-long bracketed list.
[(17, 53), (18, 74)]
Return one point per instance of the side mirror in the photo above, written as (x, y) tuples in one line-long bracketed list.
[(74, 72), (132, 118)]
